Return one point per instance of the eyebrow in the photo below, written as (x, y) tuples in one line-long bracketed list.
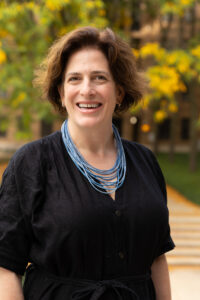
[(93, 72)]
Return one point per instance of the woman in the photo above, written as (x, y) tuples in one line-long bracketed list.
[(87, 209)]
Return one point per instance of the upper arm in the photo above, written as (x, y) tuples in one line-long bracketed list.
[(14, 246), (20, 193)]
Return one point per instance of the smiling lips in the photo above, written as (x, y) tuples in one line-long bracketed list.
[(88, 106)]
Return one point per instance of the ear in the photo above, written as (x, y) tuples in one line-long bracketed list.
[(120, 94)]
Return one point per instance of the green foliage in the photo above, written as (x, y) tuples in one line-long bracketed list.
[(178, 176), (177, 7), (170, 71), (27, 29)]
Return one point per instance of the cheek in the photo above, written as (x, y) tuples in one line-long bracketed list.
[(69, 93), (113, 97), (109, 93)]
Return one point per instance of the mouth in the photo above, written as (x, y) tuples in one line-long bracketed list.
[(88, 106)]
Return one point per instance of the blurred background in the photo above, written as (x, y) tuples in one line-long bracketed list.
[(165, 38)]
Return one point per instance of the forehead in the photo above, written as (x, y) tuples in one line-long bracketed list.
[(87, 58)]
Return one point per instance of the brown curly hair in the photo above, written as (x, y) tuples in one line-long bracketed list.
[(49, 76)]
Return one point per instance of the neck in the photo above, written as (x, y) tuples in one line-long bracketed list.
[(94, 140)]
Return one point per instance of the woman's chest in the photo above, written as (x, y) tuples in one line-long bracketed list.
[(71, 204)]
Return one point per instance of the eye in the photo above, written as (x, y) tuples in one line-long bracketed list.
[(100, 78), (73, 79)]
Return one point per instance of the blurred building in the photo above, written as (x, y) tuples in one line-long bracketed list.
[(140, 128), (9, 143), (172, 32)]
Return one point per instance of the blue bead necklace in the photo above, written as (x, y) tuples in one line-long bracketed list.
[(104, 181)]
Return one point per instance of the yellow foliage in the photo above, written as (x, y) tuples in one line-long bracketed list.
[(180, 59), (102, 12), (182, 87), (172, 57), (183, 67), (18, 100), (196, 51), (19, 8), (2, 56), (63, 30), (159, 116), (3, 33), (146, 101), (173, 107), (90, 4), (135, 52), (30, 5), (152, 49), (55, 4), (165, 80), (135, 108), (170, 3), (176, 6), (185, 2), (145, 127), (99, 3)]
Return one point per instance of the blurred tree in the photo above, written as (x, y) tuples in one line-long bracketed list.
[(173, 70), (27, 29)]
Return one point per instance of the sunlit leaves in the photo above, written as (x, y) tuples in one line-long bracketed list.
[(152, 49), (176, 6), (167, 75), (159, 116), (165, 80), (196, 51), (27, 29), (55, 5), (2, 56)]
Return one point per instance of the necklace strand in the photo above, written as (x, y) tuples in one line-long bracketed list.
[(104, 181)]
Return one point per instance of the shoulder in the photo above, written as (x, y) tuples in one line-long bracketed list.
[(33, 153), (36, 147), (143, 156), (137, 149)]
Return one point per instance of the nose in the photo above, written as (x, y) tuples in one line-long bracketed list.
[(87, 89)]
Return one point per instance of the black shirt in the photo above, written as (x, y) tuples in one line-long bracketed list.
[(51, 216)]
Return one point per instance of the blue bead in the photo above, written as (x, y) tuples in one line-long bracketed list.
[(101, 180)]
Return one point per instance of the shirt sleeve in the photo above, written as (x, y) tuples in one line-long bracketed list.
[(14, 240), (166, 242)]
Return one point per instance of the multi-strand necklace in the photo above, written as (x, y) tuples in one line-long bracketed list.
[(104, 181)]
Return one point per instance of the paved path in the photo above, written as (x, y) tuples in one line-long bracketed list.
[(184, 261)]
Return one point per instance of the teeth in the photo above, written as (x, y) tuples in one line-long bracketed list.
[(82, 105)]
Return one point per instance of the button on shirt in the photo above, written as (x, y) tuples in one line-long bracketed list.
[(50, 215), (118, 213), (121, 255)]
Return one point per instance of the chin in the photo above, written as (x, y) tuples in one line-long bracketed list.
[(90, 123)]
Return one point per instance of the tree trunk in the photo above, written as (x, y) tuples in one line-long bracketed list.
[(193, 128), (165, 30), (155, 140), (193, 109), (127, 128), (181, 31), (193, 20), (172, 138)]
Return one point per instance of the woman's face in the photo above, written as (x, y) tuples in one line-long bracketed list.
[(89, 92)]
